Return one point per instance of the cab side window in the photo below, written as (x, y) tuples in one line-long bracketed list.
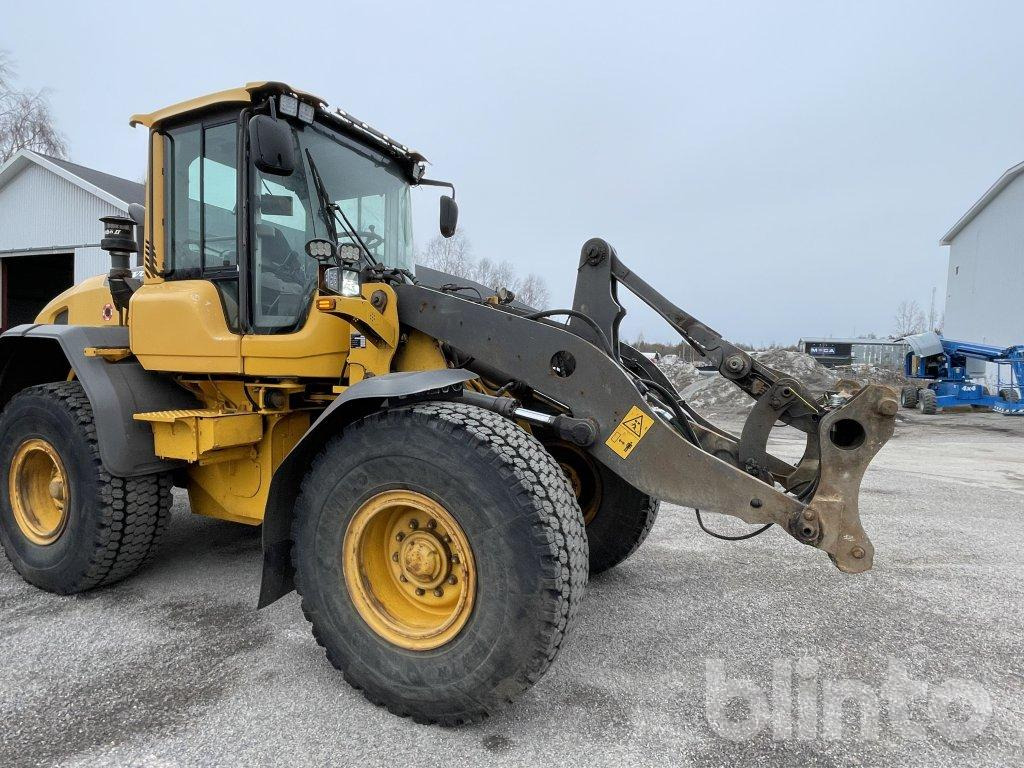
[(201, 200)]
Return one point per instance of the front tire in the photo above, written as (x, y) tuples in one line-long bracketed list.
[(1010, 395), (66, 524), (409, 515)]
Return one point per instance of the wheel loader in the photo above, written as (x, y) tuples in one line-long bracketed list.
[(437, 467)]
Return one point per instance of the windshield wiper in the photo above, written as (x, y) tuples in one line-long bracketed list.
[(330, 212)]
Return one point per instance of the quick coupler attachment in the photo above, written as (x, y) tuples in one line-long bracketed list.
[(849, 437)]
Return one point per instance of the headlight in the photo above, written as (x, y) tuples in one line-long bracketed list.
[(349, 283), (342, 281)]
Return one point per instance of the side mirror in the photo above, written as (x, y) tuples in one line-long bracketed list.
[(449, 216), (270, 144)]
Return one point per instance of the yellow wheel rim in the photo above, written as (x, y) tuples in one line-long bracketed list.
[(409, 570), (38, 489)]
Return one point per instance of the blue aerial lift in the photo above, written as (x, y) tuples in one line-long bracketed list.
[(937, 368)]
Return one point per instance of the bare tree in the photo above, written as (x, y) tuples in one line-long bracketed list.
[(25, 118), (495, 274), (533, 290), (454, 255), (909, 319)]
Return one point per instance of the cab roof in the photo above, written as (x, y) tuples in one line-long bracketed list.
[(250, 91)]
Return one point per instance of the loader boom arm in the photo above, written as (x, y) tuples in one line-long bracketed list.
[(659, 446)]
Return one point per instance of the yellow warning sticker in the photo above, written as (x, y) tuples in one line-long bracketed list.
[(631, 430)]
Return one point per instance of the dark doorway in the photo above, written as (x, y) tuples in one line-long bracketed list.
[(29, 282)]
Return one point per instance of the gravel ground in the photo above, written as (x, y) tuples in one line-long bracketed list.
[(176, 667)]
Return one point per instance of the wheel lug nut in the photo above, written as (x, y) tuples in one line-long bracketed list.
[(394, 557), (419, 592), (447, 539), (438, 592), (452, 579), (431, 524), (414, 523), (399, 536), (455, 558), (403, 578)]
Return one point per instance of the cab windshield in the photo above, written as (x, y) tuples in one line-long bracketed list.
[(372, 190)]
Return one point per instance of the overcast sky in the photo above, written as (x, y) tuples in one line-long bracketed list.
[(777, 169)]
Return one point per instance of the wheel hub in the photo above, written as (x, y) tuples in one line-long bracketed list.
[(37, 488), (424, 559), (409, 569)]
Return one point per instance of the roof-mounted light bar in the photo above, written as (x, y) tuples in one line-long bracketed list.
[(291, 106)]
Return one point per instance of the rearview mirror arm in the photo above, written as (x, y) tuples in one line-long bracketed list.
[(436, 183)]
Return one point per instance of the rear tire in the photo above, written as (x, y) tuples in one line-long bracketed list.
[(1010, 395), (927, 402), (908, 397), (497, 497), (66, 524), (618, 516)]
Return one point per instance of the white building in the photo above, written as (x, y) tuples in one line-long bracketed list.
[(50, 229), (985, 285)]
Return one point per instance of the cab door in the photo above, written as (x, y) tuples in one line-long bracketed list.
[(189, 321), (286, 336)]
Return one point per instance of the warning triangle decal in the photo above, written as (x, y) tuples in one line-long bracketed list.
[(635, 425)]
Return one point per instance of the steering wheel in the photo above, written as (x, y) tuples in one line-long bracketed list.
[(369, 237)]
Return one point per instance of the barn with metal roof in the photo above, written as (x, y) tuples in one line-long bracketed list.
[(50, 230)]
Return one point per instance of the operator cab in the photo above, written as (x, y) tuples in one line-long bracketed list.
[(245, 180), (203, 155)]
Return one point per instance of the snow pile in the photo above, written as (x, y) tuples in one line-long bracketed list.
[(717, 394), (681, 373), (874, 374), (804, 368)]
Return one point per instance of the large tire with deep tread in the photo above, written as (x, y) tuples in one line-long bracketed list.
[(1010, 395), (908, 397), (525, 531), (618, 516), (927, 402), (113, 524)]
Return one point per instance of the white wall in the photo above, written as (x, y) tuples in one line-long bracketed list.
[(40, 210), (985, 282), (90, 262)]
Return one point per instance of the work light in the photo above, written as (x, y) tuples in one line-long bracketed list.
[(289, 105), (348, 252), (320, 249)]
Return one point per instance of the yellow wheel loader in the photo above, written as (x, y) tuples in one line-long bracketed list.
[(437, 467)]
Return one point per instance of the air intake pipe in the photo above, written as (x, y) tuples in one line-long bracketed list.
[(119, 241)]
